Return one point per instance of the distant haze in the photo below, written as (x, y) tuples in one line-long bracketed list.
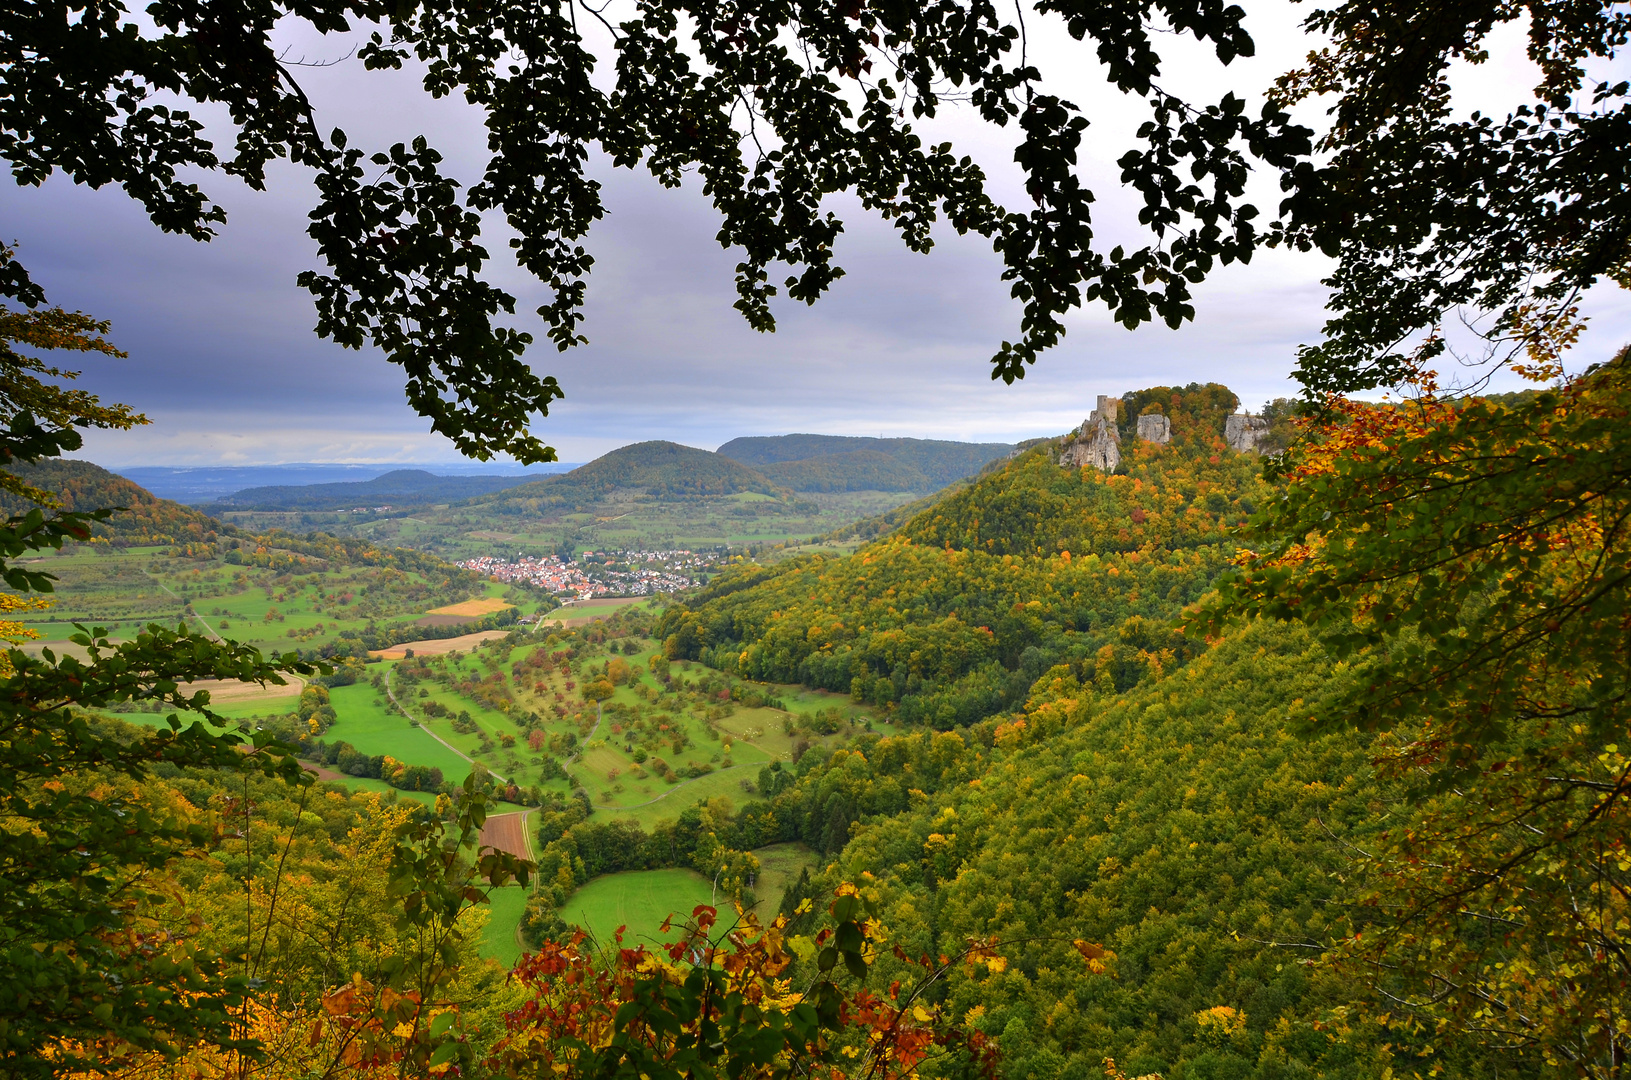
[(803, 462), (205, 484)]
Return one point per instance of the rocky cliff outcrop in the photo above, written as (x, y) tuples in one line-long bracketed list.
[(1243, 432), (1154, 428), (1098, 443)]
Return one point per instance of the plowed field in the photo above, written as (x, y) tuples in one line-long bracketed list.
[(506, 832)]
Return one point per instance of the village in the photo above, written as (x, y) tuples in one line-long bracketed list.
[(599, 573)]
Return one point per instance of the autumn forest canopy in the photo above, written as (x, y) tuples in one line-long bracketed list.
[(1198, 742)]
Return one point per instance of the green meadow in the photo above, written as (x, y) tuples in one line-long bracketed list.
[(373, 726), (779, 868), (498, 938), (640, 900)]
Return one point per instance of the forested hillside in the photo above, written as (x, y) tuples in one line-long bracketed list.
[(659, 470), (1177, 824), (857, 470), (1095, 775), (939, 460), (82, 486), (953, 615), (401, 487)]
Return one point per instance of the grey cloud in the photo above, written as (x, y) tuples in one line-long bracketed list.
[(224, 360)]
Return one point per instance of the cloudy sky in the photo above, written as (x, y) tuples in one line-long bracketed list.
[(223, 359)]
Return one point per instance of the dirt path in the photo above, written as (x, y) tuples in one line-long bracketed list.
[(390, 693), (320, 772), (184, 604)]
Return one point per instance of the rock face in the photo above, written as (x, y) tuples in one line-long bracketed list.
[(1243, 432), (1099, 443), (1154, 428)]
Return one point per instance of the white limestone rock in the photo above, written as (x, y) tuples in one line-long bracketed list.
[(1154, 428), (1243, 432), (1098, 443)]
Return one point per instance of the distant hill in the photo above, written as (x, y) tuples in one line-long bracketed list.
[(198, 485), (858, 470), (83, 486), (401, 487), (939, 461), (659, 470)]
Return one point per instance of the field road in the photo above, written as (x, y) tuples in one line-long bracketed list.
[(507, 832), (320, 772), (207, 628), (423, 727)]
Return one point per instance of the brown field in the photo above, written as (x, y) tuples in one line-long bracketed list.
[(443, 620), (472, 609), (506, 832), (61, 647), (223, 691), (320, 772), (437, 646)]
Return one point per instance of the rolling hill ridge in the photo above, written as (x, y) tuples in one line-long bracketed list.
[(939, 461), (660, 470), (83, 486), (856, 470), (400, 487)]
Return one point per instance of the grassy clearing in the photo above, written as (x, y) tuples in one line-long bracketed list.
[(779, 868), (673, 801), (639, 900), (373, 727), (350, 783), (268, 705), (498, 940)]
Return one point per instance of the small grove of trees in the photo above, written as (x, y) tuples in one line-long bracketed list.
[(344, 758)]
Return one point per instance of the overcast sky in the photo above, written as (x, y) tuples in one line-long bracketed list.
[(224, 361)]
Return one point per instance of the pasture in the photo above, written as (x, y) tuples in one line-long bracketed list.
[(504, 908), (640, 900), (373, 727)]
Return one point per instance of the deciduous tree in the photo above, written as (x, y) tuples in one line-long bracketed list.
[(1471, 560)]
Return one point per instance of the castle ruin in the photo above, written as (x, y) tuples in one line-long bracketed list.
[(1098, 442)]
